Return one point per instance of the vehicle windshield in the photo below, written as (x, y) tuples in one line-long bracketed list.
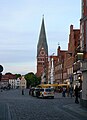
[(48, 90), (41, 90), (37, 89)]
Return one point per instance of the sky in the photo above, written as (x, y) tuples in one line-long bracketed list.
[(20, 23)]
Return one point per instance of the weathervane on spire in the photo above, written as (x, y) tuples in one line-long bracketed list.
[(58, 44), (43, 15)]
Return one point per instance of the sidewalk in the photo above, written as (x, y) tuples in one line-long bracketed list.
[(59, 95), (77, 108), (73, 107)]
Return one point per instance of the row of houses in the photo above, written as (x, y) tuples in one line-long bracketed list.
[(67, 63), (9, 80), (68, 66), (65, 66)]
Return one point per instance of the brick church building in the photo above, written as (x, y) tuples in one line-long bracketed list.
[(42, 51)]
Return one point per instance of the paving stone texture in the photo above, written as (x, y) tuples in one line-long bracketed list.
[(15, 106)]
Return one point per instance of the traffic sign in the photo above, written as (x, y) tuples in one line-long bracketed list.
[(1, 68)]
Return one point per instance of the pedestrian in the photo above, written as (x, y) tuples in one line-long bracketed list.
[(64, 92), (76, 94), (68, 91), (38, 93), (29, 91), (71, 91), (1, 90), (22, 91)]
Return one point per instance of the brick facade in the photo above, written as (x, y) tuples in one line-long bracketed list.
[(63, 67)]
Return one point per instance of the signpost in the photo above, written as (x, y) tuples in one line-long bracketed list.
[(1, 69)]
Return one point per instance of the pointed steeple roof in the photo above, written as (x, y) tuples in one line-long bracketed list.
[(42, 43)]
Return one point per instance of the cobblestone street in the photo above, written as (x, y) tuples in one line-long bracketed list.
[(14, 106)]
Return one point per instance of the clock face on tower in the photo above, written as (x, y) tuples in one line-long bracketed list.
[(42, 53)]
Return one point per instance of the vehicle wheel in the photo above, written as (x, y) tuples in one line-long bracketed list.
[(52, 97), (42, 96)]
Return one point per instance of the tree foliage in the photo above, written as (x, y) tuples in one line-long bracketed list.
[(17, 75), (8, 73), (32, 79)]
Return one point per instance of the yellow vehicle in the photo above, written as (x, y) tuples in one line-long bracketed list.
[(52, 85), (44, 85), (57, 87)]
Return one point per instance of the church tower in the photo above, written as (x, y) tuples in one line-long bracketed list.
[(42, 51)]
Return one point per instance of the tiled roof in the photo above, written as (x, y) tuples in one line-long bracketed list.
[(7, 77)]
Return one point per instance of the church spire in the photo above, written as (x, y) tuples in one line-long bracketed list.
[(42, 52), (42, 43)]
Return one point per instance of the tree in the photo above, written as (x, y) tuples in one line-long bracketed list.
[(32, 79), (17, 75), (8, 73)]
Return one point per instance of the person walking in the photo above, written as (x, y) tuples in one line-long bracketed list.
[(22, 91), (64, 92), (68, 91), (76, 94), (71, 92)]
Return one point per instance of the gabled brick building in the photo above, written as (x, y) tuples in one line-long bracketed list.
[(71, 67), (63, 67), (59, 66)]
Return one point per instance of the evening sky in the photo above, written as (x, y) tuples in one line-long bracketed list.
[(20, 23)]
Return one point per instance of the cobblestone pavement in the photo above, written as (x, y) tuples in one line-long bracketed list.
[(14, 106)]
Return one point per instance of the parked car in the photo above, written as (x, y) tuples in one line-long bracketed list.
[(35, 92), (31, 91), (45, 93)]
